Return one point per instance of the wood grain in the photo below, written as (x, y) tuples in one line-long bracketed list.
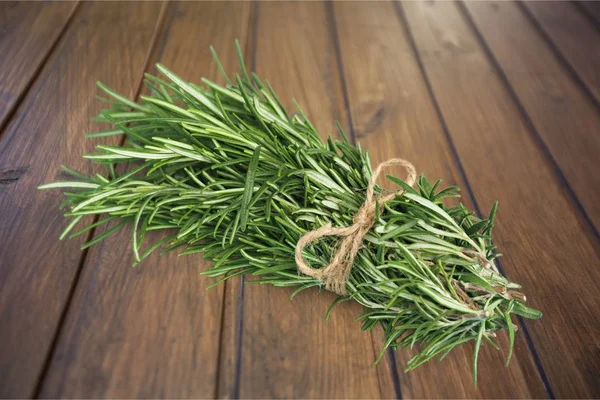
[(28, 31), (560, 112), (287, 348), (573, 36), (538, 229), (394, 117), (47, 131), (153, 330)]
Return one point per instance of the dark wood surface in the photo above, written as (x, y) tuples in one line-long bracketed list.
[(538, 224), (407, 124), (38, 272), (572, 38), (590, 9), (37, 26), (553, 102), (277, 359), (167, 347), (498, 98)]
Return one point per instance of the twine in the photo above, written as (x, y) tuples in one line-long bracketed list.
[(337, 272)]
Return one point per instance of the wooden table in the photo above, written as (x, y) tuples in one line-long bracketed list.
[(502, 99)]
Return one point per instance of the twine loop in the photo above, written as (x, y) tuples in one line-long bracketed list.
[(336, 273)]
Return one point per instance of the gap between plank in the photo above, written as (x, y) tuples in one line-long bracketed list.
[(562, 180), (559, 55), (340, 65), (80, 266), (338, 54), (36, 73), (342, 76), (403, 21), (395, 374), (251, 48), (216, 393)]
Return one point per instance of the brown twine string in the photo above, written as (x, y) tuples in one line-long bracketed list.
[(337, 272)]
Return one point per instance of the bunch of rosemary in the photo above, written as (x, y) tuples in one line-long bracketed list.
[(226, 172)]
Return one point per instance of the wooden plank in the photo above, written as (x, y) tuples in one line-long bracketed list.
[(286, 348), (562, 115), (591, 9), (153, 330), (28, 32), (574, 38), (394, 117), (539, 230), (109, 43)]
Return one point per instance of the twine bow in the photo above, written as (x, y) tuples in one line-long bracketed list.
[(337, 272)]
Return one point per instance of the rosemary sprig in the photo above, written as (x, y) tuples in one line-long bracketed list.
[(225, 171)]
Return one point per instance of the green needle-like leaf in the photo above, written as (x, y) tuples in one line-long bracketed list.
[(228, 173), (244, 210)]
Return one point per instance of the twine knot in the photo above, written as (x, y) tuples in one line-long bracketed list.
[(363, 217), (336, 273)]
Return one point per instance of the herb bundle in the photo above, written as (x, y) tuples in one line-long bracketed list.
[(225, 171)]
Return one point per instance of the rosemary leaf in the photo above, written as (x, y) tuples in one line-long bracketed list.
[(226, 171)]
